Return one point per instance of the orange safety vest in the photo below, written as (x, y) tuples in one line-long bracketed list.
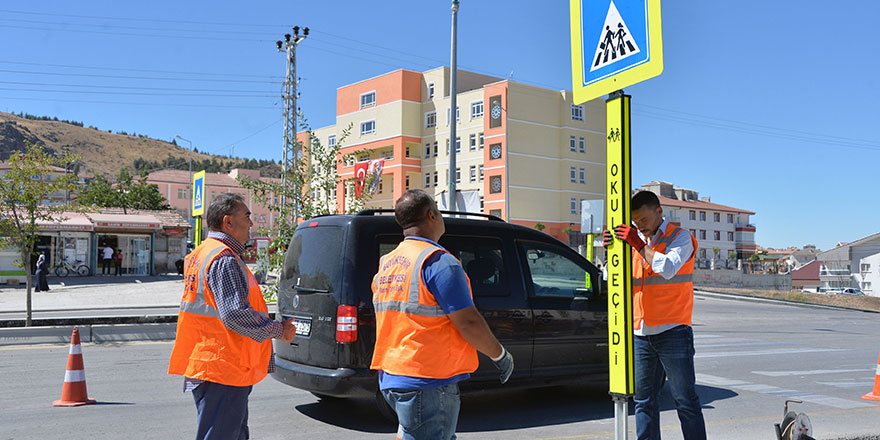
[(414, 337), (205, 349), (657, 300)]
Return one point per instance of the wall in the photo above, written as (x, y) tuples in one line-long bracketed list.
[(737, 279)]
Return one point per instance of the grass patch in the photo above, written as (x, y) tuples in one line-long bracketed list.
[(869, 303)]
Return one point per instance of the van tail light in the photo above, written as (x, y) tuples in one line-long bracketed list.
[(346, 324)]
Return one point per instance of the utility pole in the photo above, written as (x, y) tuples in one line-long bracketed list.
[(453, 104), (290, 153)]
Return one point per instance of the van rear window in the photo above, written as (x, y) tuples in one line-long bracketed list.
[(314, 258)]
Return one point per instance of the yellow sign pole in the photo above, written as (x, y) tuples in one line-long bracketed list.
[(198, 204), (590, 248), (619, 256)]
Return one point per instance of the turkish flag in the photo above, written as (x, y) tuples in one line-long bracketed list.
[(360, 174)]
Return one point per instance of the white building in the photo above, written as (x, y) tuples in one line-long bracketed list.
[(724, 234), (853, 264)]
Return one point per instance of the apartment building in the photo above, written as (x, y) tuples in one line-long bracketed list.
[(176, 186), (527, 154), (852, 264), (724, 234)]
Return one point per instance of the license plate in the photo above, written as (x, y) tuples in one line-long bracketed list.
[(303, 326)]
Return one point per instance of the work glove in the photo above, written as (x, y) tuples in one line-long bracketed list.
[(630, 235), (607, 238), (505, 364)]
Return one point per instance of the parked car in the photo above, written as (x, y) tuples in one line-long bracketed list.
[(253, 247), (543, 301), (850, 291)]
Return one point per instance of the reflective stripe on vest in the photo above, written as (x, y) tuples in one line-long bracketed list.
[(655, 280), (411, 306), (658, 300), (199, 306)]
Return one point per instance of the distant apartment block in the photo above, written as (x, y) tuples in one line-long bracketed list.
[(526, 154), (855, 264), (723, 233), (176, 186)]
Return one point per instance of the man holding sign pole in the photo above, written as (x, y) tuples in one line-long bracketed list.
[(663, 300)]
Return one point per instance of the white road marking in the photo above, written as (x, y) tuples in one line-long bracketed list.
[(754, 344), (772, 390), (774, 352), (807, 372), (866, 384)]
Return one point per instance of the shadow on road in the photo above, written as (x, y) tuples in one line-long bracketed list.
[(498, 410), (93, 280)]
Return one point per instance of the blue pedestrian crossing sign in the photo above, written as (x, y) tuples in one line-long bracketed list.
[(198, 199), (614, 44)]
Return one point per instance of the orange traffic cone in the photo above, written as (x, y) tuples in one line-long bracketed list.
[(74, 392), (874, 395)]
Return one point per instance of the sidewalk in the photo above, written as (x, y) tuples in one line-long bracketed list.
[(96, 292)]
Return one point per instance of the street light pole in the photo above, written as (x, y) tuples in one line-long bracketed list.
[(189, 183), (453, 105)]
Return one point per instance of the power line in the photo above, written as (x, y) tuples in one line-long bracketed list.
[(138, 28), (152, 78), (131, 34), (139, 70), (250, 135), (157, 20), (99, 92), (153, 104), (26, 83)]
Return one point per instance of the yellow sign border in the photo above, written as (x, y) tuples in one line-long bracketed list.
[(649, 69), (621, 377), (200, 211)]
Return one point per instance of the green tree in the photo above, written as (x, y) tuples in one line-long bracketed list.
[(540, 226), (24, 192), (126, 193), (310, 192)]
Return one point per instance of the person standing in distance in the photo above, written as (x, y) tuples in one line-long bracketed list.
[(107, 262), (428, 330), (663, 303), (223, 342)]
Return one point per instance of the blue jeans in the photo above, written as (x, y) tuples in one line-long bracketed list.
[(426, 414), (668, 355), (222, 411)]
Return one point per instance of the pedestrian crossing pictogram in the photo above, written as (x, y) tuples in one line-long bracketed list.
[(198, 197), (615, 41)]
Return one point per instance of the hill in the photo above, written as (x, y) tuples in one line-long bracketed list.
[(105, 153)]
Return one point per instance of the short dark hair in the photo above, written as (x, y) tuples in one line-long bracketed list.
[(222, 205), (644, 198), (409, 209)]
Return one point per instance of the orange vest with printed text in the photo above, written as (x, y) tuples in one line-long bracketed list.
[(204, 348), (414, 337), (657, 300)]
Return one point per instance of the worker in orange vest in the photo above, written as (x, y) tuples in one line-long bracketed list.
[(428, 331), (223, 345), (663, 303)]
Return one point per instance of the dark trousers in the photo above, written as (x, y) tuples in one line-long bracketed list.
[(118, 268), (42, 281), (108, 263), (222, 411)]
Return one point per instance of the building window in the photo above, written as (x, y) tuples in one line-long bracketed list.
[(702, 216), (693, 233), (380, 184), (581, 175), (473, 173), (702, 234), (430, 90), (573, 175), (435, 178), (407, 151), (458, 145), (730, 236), (729, 218), (447, 147), (368, 127), (430, 119), (435, 149), (572, 144), (368, 99), (481, 141), (457, 114), (865, 267), (427, 151), (703, 254), (407, 181), (692, 215), (716, 235), (866, 285), (457, 175), (577, 112), (495, 212), (574, 205), (473, 142), (481, 173), (427, 180), (477, 109), (581, 145), (716, 217), (495, 184), (331, 141), (481, 203)]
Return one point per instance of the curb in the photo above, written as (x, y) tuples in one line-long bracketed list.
[(98, 333), (738, 297)]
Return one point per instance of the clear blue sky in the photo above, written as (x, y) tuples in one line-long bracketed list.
[(766, 106)]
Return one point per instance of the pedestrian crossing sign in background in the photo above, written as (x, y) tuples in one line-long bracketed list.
[(198, 194), (614, 44)]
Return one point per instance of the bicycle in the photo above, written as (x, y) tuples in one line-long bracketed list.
[(65, 268)]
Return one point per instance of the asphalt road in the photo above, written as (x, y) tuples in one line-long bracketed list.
[(750, 358)]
